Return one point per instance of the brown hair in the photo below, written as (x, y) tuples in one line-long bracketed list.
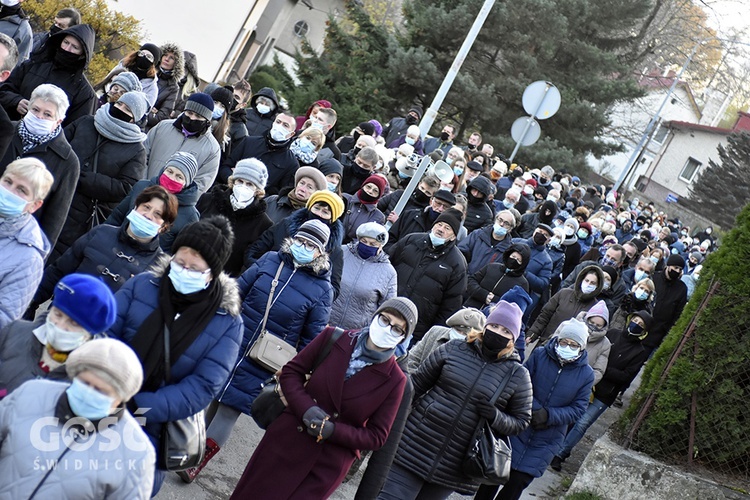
[(170, 203), (129, 63)]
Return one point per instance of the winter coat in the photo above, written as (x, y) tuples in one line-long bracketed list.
[(394, 129), (565, 304), (248, 223), (572, 256), (598, 348), (363, 409), (116, 464), (629, 305), (670, 300), (41, 69), (481, 248), (199, 373), (356, 214), (24, 248), (414, 220), (495, 278), (278, 159), (62, 163), (447, 387), (105, 178), (434, 279), (166, 98), (20, 352), (353, 176), (166, 138), (365, 285), (617, 290), (564, 391), (274, 236), (256, 123), (299, 311), (186, 211), (626, 357), (107, 252), (539, 270), (18, 28), (434, 338), (433, 143), (278, 206)]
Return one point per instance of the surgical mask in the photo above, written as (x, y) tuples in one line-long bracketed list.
[(454, 335), (583, 234), (366, 251), (528, 190), (635, 329), (87, 402), (569, 231), (332, 187), (508, 204), (403, 175), (169, 184), (383, 336), (301, 254), (449, 161), (641, 294), (38, 126), (606, 286), (639, 275), (551, 198), (318, 126), (186, 281), (655, 260), (410, 141), (262, 109), (11, 205), (63, 340), (278, 133), (499, 230), (217, 113), (555, 242), (587, 288), (141, 227), (436, 240), (458, 171), (306, 145), (566, 352), (243, 193)]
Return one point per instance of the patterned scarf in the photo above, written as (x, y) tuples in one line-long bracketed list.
[(362, 356), (30, 140), (306, 158)]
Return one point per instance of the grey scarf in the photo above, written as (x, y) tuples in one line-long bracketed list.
[(116, 130)]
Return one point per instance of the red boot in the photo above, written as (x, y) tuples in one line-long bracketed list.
[(189, 475)]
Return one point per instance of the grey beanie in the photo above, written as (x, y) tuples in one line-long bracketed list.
[(112, 361), (253, 170), (200, 103), (575, 330), (129, 81), (405, 308), (187, 164), (373, 230), (316, 232), (572, 221), (137, 103), (468, 317), (314, 175)]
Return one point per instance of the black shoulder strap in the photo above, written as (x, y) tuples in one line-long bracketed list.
[(502, 386), (327, 349)]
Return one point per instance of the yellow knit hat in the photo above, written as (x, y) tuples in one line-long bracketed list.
[(331, 199)]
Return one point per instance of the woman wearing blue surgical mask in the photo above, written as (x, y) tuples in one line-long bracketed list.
[(640, 298), (223, 101), (115, 253), (368, 279), (307, 146), (189, 298), (82, 308), (299, 307), (23, 245)]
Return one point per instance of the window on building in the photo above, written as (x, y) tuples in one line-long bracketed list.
[(690, 169), (301, 28), (661, 134)]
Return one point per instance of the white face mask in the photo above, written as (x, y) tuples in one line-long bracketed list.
[(382, 336), (38, 126), (9, 3), (63, 340), (278, 133), (263, 109), (243, 193)]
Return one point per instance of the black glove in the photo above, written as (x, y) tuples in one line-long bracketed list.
[(313, 413), (31, 312), (315, 425), (486, 410), (539, 418)]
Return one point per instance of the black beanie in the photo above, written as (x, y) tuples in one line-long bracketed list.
[(452, 217), (211, 237), (224, 96), (676, 260)]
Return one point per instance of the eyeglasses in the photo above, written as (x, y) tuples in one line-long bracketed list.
[(385, 322), (441, 204), (190, 272), (504, 223), (593, 327), (569, 343), (308, 245), (148, 55)]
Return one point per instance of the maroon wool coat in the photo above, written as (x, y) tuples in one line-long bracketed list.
[(288, 463)]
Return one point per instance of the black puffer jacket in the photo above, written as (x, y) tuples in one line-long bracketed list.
[(414, 220), (248, 223), (434, 279), (118, 167), (256, 123), (450, 383), (495, 278), (42, 69), (478, 213), (278, 159)]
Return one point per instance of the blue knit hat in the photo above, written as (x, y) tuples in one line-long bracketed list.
[(87, 300), (201, 103)]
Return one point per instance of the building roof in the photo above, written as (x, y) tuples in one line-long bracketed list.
[(657, 82), (742, 123)]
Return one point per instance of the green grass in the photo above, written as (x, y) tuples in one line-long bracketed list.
[(583, 495)]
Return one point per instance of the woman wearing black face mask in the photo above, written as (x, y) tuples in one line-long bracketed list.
[(141, 63), (110, 148), (487, 285), (455, 384)]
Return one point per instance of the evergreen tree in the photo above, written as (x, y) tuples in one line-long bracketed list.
[(572, 43), (723, 188)]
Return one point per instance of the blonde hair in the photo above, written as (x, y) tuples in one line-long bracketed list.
[(34, 171), (314, 133), (647, 283), (473, 335), (259, 191)]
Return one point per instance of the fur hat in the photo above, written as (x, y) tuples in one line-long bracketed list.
[(467, 317), (312, 173), (404, 308), (211, 237), (112, 361), (334, 202), (200, 103), (508, 315), (316, 232), (253, 170), (87, 300)]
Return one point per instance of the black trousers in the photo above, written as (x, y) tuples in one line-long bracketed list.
[(512, 490)]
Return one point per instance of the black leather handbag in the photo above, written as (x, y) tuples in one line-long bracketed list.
[(269, 404), (182, 442), (488, 456)]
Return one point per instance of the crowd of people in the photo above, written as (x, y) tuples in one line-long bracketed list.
[(153, 234)]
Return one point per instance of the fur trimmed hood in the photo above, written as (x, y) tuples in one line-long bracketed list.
[(230, 300), (179, 64)]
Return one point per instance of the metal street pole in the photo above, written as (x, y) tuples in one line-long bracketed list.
[(529, 120), (655, 118)]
